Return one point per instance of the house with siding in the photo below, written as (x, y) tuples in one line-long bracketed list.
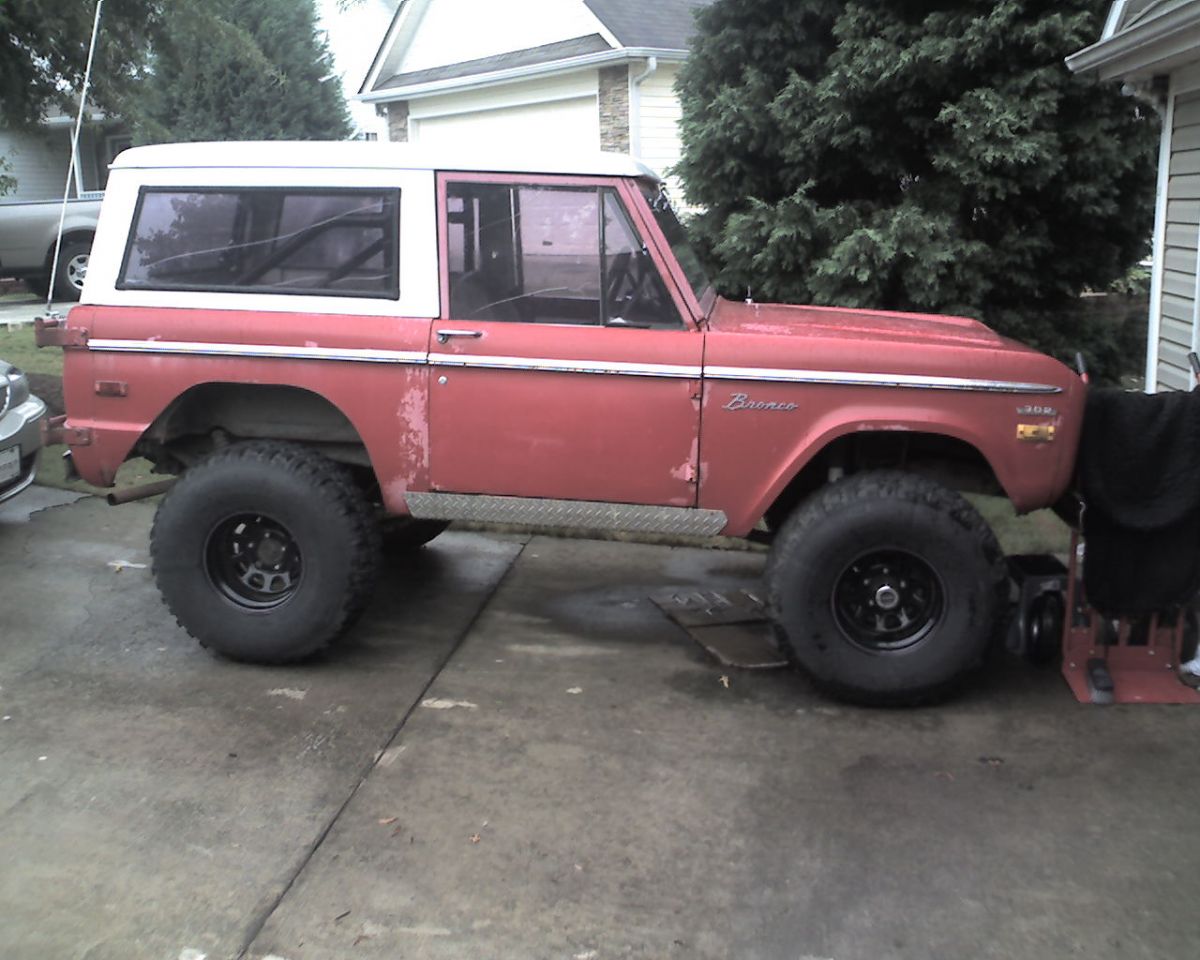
[(547, 74), (1154, 46), (38, 159)]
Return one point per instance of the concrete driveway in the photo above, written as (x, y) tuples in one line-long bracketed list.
[(17, 309), (516, 755)]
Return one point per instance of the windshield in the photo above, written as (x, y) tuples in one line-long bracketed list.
[(668, 223)]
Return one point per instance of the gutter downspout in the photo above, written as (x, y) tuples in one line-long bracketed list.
[(635, 106), (1154, 324)]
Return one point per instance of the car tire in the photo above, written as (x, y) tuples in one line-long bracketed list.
[(1044, 624), (39, 286), (886, 588), (72, 268), (265, 552), (405, 534)]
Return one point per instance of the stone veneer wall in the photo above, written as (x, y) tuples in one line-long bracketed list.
[(614, 108), (397, 120)]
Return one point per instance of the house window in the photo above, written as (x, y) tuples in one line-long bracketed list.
[(544, 254), (113, 144), (289, 241)]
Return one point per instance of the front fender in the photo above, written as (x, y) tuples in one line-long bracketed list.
[(747, 464)]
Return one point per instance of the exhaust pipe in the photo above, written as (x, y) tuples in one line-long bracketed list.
[(118, 497)]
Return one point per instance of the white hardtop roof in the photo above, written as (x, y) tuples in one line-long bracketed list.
[(357, 154)]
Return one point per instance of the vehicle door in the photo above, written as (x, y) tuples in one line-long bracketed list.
[(562, 365)]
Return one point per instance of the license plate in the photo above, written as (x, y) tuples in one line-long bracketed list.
[(10, 464)]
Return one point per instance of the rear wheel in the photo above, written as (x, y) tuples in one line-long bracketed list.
[(72, 269), (886, 588), (265, 552)]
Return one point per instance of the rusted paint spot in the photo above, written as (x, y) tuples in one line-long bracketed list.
[(413, 441), (686, 472)]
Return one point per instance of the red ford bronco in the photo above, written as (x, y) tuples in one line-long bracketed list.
[(315, 335)]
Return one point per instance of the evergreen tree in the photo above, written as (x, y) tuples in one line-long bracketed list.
[(903, 154), (44, 51), (242, 70)]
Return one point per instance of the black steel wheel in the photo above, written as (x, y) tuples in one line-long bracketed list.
[(265, 552), (887, 600), (886, 588), (254, 561)]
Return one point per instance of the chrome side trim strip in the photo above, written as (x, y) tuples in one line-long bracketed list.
[(604, 367), (537, 512), (567, 366), (853, 379), (264, 350)]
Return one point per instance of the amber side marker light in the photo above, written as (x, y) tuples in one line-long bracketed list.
[(1035, 432)]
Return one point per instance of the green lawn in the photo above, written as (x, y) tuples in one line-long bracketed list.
[(17, 347), (1037, 532)]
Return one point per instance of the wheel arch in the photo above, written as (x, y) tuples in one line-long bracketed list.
[(70, 235), (938, 453), (211, 414)]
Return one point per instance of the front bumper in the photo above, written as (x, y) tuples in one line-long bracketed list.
[(20, 427)]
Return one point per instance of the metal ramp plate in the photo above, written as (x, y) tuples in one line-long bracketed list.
[(732, 626)]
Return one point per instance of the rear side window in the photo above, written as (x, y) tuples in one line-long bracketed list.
[(325, 242)]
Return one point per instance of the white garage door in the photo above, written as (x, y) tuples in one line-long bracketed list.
[(565, 124)]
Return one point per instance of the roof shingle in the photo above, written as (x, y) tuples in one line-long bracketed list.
[(661, 24), (547, 53)]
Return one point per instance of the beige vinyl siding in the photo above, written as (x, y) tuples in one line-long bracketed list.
[(38, 161), (455, 31), (658, 124), (1179, 264)]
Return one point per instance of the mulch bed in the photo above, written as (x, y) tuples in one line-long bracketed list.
[(50, 389)]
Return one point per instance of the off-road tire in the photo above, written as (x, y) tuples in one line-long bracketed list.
[(72, 255), (405, 534), (849, 530), (39, 286), (287, 488)]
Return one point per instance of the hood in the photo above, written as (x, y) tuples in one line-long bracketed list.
[(874, 343), (779, 319)]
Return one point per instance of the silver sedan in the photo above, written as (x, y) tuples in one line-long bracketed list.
[(21, 414)]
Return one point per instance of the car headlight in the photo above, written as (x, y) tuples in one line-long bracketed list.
[(18, 387)]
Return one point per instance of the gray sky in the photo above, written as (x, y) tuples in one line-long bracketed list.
[(354, 36)]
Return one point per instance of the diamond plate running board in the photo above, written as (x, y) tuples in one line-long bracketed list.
[(538, 512)]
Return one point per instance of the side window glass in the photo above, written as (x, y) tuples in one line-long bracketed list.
[(523, 253), (634, 293), (329, 243), (542, 254)]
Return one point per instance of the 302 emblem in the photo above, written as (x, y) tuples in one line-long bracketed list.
[(1035, 410), (742, 401)]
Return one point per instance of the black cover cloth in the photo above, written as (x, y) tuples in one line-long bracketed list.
[(1139, 472)]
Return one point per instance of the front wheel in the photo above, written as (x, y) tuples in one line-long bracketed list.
[(886, 588), (265, 552)]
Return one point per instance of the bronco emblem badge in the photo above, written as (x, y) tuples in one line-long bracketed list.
[(742, 401)]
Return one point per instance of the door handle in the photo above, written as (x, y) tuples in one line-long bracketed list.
[(444, 335)]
